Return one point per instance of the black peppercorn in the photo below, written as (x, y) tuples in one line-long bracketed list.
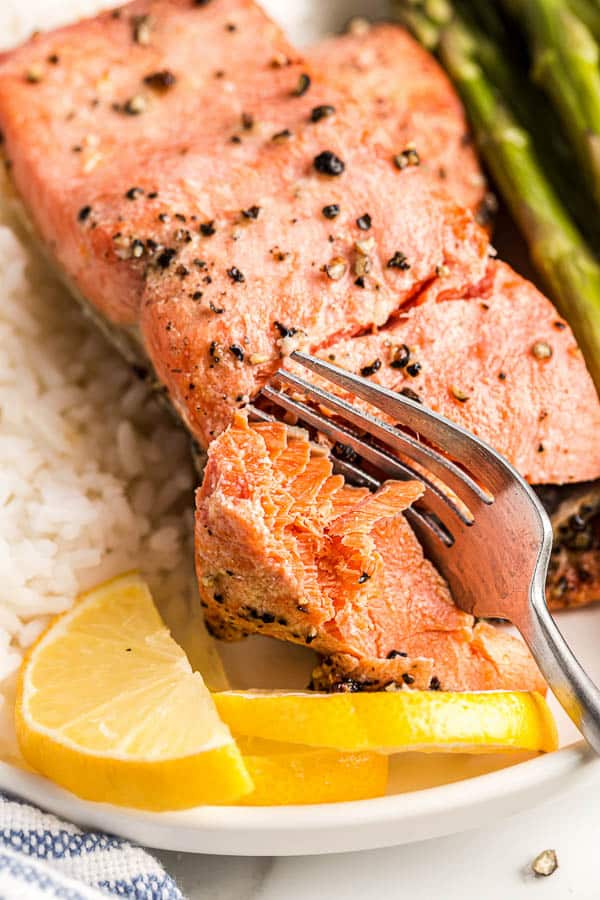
[(321, 112), (235, 275), (302, 86), (398, 261), (327, 163), (331, 211), (369, 370)]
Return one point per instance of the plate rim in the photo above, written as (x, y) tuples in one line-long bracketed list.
[(319, 828)]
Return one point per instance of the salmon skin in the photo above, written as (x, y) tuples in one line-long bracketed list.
[(287, 549), (221, 214)]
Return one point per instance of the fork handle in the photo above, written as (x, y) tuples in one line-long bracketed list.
[(568, 681)]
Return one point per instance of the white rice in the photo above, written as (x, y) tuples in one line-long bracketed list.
[(95, 478)]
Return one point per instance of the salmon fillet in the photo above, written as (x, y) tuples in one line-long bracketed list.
[(286, 549), (219, 200), (498, 356), (402, 87), (149, 169)]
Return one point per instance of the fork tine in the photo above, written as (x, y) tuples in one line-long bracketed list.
[(390, 465), (422, 523), (354, 475), (433, 427), (441, 466)]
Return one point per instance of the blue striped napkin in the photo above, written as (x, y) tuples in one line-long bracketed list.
[(42, 857)]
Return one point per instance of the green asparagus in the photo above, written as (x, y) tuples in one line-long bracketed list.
[(589, 13), (565, 65), (501, 116)]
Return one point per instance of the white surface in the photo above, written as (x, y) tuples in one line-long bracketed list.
[(489, 864)]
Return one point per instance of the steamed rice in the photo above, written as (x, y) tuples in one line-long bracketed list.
[(95, 478)]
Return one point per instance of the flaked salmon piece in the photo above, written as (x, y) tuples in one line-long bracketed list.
[(402, 88), (350, 582), (500, 362)]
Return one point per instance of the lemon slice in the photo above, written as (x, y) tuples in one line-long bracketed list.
[(293, 774), (391, 722), (109, 707)]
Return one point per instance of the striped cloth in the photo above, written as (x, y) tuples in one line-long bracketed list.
[(44, 857)]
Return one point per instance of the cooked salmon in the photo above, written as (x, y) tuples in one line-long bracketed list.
[(218, 200), (287, 549), (161, 108), (402, 87), (485, 360), (223, 201)]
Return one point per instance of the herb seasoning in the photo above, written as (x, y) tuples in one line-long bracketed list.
[(83, 213), (251, 213)]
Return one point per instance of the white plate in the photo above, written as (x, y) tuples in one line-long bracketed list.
[(428, 796)]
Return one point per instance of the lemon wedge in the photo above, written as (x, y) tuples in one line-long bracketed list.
[(391, 722), (293, 774), (108, 706)]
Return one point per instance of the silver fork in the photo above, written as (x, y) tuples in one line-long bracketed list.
[(482, 526)]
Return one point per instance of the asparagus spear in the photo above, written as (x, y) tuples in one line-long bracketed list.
[(561, 255), (589, 13), (565, 64)]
